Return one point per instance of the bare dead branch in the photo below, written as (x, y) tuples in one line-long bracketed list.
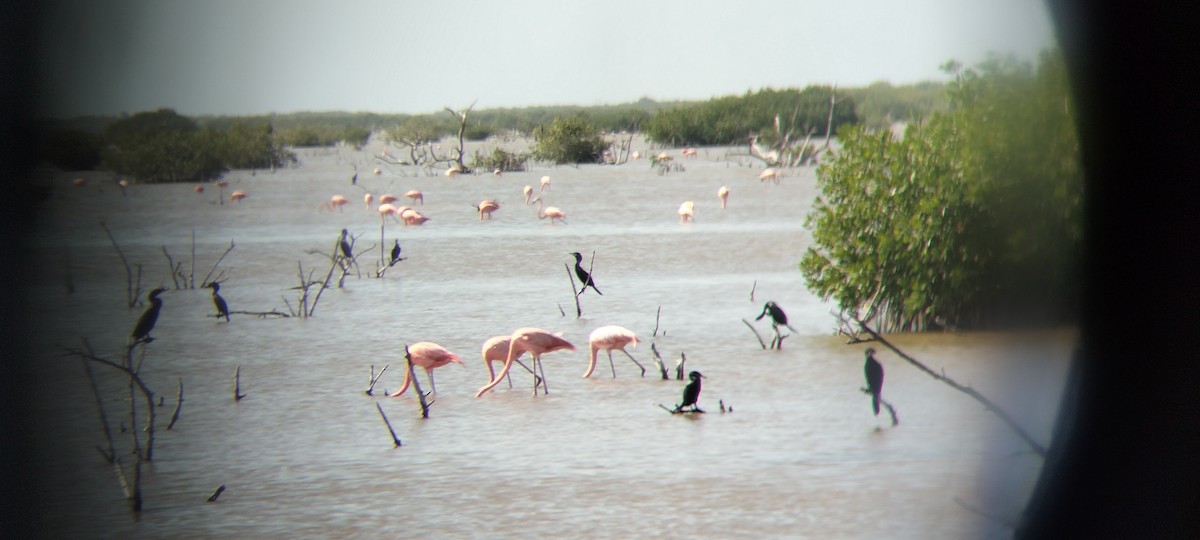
[(375, 378), (178, 406), (130, 294), (574, 291), (217, 493), (658, 360), (416, 383), (656, 316), (395, 439), (761, 343), (974, 394), (237, 384), (206, 281)]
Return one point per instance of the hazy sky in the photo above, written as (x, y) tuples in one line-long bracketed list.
[(262, 56)]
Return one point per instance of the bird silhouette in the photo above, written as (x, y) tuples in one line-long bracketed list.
[(778, 317), (584, 276), (145, 323), (874, 372), (222, 307), (396, 253), (346, 251), (691, 393)]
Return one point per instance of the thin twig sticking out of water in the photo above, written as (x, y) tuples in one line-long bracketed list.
[(995, 409), (375, 378), (658, 360), (395, 439), (574, 291), (416, 383), (132, 293)]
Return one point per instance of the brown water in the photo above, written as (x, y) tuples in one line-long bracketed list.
[(307, 455)]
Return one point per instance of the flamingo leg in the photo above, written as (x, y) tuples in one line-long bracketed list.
[(536, 379), (542, 369), (639, 364), (536, 361), (610, 364), (432, 387)]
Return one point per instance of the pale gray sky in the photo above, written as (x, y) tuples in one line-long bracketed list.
[(262, 56)]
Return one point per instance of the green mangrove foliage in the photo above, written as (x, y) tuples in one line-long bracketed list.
[(569, 140), (971, 219), (731, 119), (500, 159), (163, 146)]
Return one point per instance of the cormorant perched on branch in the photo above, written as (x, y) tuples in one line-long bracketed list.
[(222, 307), (778, 317), (145, 323), (584, 277), (691, 393), (346, 246), (874, 371), (396, 253)]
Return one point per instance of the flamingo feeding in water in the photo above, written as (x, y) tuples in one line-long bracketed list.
[(198, 188), (387, 198), (412, 217), (79, 182), (723, 194), (552, 212), (545, 184), (687, 211), (689, 152), (487, 206), (769, 175), (367, 199), (415, 195), (495, 349), (453, 171), (536, 342), (609, 338), (528, 193), (238, 196), (336, 201), (429, 356)]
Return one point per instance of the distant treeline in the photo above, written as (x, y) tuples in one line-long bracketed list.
[(78, 143)]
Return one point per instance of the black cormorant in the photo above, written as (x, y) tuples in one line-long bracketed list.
[(396, 252), (874, 371), (584, 277), (346, 246), (691, 393), (145, 323), (778, 317), (222, 307)]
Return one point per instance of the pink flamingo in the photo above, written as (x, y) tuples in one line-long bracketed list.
[(635, 155), (723, 194), (551, 212), (377, 171), (770, 175), (336, 201), (689, 152), (528, 193), (609, 338), (545, 184), (413, 217), (687, 211), (79, 182), (367, 199), (536, 342), (429, 356), (237, 196), (453, 171), (415, 195), (198, 188), (495, 349), (497, 172), (387, 198), (487, 206), (386, 210)]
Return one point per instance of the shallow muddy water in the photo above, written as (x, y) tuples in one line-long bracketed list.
[(306, 454)]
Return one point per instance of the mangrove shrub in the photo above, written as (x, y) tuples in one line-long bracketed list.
[(971, 219)]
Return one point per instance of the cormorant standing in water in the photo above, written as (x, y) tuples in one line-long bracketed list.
[(874, 371), (584, 277), (395, 253), (145, 323), (222, 307), (691, 393), (346, 246), (778, 317)]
